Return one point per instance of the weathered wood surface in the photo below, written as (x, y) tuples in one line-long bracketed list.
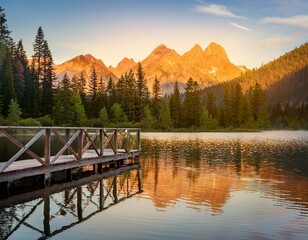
[(28, 167), (94, 146)]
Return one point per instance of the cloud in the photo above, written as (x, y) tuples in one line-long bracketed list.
[(299, 20), (240, 27), (277, 41), (214, 9)]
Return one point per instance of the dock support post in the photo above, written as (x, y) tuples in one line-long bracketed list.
[(79, 203), (99, 168), (68, 174), (5, 189), (46, 216), (115, 189), (101, 194)]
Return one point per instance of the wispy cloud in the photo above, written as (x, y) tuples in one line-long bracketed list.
[(277, 41), (240, 27), (299, 20), (215, 9)]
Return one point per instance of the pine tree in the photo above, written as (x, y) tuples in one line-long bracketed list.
[(206, 120), (235, 105), (93, 83), (259, 106), (38, 57), (211, 104), (93, 108), (118, 114), (130, 95), (47, 81), (142, 93), (5, 37), (147, 120), (31, 95), (63, 112), (103, 116), (6, 82), (101, 98), (43, 72), (156, 99), (164, 115), (246, 113), (227, 105), (111, 94), (176, 106), (20, 72), (14, 112), (79, 114), (192, 104)]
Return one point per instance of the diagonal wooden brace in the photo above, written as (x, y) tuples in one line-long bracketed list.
[(65, 146), (23, 148)]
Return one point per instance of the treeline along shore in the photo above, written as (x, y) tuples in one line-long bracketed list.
[(31, 95)]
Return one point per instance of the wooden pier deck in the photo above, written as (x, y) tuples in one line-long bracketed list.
[(79, 147)]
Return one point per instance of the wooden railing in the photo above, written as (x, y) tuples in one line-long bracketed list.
[(75, 141)]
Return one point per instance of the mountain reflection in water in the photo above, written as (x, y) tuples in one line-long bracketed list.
[(206, 169), (188, 186)]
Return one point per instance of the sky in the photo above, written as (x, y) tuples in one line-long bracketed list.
[(253, 32)]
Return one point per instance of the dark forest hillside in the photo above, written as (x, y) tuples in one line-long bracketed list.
[(285, 79)]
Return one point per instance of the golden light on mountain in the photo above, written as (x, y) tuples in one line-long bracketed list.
[(124, 66), (83, 64), (207, 66)]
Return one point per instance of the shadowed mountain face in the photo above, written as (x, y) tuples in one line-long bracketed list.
[(207, 66)]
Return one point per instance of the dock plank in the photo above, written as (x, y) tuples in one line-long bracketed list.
[(31, 167)]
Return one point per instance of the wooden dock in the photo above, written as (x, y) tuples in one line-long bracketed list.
[(79, 147)]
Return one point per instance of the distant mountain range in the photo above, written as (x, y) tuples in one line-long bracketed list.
[(209, 66)]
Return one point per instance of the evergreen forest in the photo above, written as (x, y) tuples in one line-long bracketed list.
[(271, 97)]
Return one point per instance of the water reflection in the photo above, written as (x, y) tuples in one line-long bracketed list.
[(205, 170), (52, 210)]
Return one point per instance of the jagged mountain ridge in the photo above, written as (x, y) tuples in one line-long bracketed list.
[(208, 66), (83, 64), (123, 66)]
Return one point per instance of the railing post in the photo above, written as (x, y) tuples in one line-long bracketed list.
[(101, 142), (116, 141), (67, 137), (47, 145), (80, 144)]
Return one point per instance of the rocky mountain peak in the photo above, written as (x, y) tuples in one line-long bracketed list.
[(194, 54), (215, 51)]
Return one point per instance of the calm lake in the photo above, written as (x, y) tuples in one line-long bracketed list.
[(187, 186)]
